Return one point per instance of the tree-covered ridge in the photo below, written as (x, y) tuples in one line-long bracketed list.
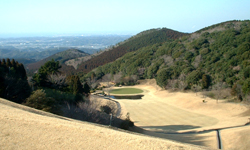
[(143, 39), (204, 59), (62, 57)]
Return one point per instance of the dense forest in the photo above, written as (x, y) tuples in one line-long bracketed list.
[(214, 57), (13, 81), (134, 43)]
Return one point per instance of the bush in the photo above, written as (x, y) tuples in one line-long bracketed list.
[(62, 97), (162, 77), (39, 100), (193, 77), (127, 123), (106, 109), (246, 86), (210, 94)]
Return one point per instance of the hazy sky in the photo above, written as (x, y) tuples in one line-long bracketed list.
[(116, 16)]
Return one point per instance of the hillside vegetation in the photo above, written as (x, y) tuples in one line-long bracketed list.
[(143, 39), (62, 57), (214, 57)]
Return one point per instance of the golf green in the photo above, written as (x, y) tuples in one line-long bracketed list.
[(126, 91)]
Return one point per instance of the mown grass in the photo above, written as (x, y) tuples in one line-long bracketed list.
[(126, 91)]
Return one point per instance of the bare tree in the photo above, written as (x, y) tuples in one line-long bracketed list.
[(107, 78), (118, 77), (141, 71), (196, 88), (247, 98), (182, 81), (218, 87), (172, 84), (197, 61), (58, 79), (237, 91), (134, 78)]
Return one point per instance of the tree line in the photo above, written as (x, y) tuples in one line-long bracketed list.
[(202, 60), (141, 40)]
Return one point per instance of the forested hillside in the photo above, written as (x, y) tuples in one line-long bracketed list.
[(217, 56), (143, 39), (62, 57)]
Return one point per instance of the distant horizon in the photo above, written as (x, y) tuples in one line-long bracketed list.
[(55, 34), (38, 18), (24, 35)]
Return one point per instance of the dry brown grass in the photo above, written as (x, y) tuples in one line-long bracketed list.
[(159, 110), (26, 128), (166, 112)]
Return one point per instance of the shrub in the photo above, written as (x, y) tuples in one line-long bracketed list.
[(193, 77), (62, 97), (162, 77), (205, 81), (210, 94), (127, 123), (106, 109), (39, 100), (246, 86)]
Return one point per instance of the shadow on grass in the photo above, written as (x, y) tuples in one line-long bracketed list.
[(170, 132), (194, 138)]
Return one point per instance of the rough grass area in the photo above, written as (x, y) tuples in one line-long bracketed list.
[(126, 91)]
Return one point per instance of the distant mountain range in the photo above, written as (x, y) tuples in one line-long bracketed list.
[(36, 55), (42, 47)]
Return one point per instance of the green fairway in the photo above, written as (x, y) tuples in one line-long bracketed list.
[(126, 91)]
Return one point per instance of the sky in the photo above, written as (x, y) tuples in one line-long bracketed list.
[(37, 17)]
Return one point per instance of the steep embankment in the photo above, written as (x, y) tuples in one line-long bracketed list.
[(26, 128)]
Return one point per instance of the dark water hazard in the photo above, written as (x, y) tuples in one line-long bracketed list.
[(132, 97)]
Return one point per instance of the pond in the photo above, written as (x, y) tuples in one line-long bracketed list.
[(133, 97)]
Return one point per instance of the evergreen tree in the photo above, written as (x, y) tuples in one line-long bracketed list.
[(86, 88), (205, 81), (50, 67), (13, 81), (74, 85)]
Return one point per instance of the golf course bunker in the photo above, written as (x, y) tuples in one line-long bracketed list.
[(126, 93)]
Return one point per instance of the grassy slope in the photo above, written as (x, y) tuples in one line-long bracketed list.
[(176, 112), (27, 128)]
